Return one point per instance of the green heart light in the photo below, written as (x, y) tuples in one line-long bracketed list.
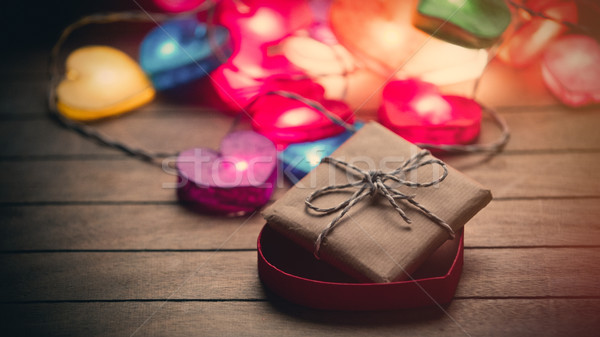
[(469, 23)]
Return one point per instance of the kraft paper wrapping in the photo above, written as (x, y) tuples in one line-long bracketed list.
[(372, 242)]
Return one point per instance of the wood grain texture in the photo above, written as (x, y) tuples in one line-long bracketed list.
[(233, 275), (106, 227), (541, 222), (162, 132), (516, 317), (534, 175), (43, 137), (504, 223), (91, 244), (508, 176), (548, 130), (80, 181)]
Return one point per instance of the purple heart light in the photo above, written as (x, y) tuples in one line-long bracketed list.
[(237, 180)]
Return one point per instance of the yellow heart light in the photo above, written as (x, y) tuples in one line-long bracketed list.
[(100, 82)]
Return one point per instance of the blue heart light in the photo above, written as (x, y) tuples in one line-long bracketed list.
[(300, 158), (179, 51)]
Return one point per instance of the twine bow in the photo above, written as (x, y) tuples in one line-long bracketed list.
[(373, 182)]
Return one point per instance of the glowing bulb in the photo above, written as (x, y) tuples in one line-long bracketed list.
[(264, 23), (167, 48), (241, 165), (433, 109), (314, 155), (389, 35), (299, 116), (458, 64), (224, 182)]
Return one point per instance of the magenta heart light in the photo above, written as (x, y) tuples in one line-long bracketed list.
[(287, 120), (571, 70), (418, 112), (238, 179)]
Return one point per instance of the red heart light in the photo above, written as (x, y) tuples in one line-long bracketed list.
[(418, 112), (238, 179), (287, 120), (237, 89)]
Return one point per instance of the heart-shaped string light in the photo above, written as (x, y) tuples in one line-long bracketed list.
[(100, 82), (180, 51), (239, 178)]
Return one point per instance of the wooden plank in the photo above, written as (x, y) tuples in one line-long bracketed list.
[(560, 129), (542, 222), (162, 132), (505, 223), (106, 227), (43, 137), (517, 317), (80, 181), (233, 275), (23, 98), (533, 175), (509, 176), (530, 272)]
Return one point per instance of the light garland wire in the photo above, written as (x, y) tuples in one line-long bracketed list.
[(54, 74), (569, 24), (210, 5)]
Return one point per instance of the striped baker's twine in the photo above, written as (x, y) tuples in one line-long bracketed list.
[(372, 183)]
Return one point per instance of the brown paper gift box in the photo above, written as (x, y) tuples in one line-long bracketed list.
[(372, 242)]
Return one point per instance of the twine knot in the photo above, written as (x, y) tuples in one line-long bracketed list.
[(372, 183)]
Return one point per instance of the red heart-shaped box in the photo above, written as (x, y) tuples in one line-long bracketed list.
[(294, 274)]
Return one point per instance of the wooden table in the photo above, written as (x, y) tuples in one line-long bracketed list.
[(93, 243)]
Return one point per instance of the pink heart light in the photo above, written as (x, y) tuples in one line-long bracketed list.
[(256, 22), (255, 26), (238, 179), (571, 70), (529, 41), (418, 112)]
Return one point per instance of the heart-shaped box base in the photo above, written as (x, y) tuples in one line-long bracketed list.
[(294, 274)]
